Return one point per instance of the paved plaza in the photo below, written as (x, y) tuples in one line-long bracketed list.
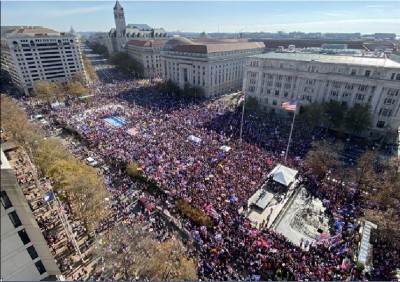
[(302, 218)]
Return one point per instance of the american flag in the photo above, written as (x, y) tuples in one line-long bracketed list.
[(290, 105), (241, 100)]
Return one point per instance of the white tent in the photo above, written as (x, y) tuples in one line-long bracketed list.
[(283, 175), (225, 148), (194, 139)]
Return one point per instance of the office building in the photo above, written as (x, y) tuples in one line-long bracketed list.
[(148, 53), (31, 54), (25, 255), (215, 66), (273, 78)]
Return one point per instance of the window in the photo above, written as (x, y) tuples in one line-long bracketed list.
[(367, 73), (344, 103), (32, 252), (385, 112), (398, 76), (24, 237), (360, 97), (353, 72), (389, 101), (15, 219), (5, 201), (380, 124), (362, 87), (274, 102), (276, 92), (40, 267)]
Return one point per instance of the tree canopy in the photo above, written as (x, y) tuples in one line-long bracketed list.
[(127, 65)]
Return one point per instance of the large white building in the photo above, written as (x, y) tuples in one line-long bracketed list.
[(30, 54), (25, 255), (273, 78), (216, 67)]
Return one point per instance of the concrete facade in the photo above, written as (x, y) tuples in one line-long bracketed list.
[(273, 78), (30, 54), (148, 53), (216, 67), (24, 251)]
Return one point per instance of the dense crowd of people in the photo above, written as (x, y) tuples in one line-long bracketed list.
[(155, 133)]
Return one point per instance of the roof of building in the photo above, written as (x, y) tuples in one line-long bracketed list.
[(303, 42), (331, 59), (35, 30), (215, 48), (146, 43), (139, 26)]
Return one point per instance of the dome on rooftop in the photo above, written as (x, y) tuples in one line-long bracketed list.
[(177, 41)]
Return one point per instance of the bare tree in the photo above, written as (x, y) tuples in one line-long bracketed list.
[(125, 250), (131, 252), (324, 157)]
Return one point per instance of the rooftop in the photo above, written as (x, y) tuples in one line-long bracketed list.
[(139, 26), (146, 43), (217, 47), (32, 31), (331, 59)]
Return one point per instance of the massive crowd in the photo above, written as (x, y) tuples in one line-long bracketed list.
[(155, 135)]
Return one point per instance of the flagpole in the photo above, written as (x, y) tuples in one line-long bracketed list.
[(290, 136), (241, 123)]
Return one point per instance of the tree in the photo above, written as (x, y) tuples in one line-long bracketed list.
[(44, 90), (167, 86), (49, 151), (76, 89), (89, 69), (127, 65), (365, 172), (358, 118), (126, 250), (312, 114), (14, 121), (335, 114), (84, 187), (171, 263), (88, 193), (133, 169), (324, 157), (79, 77), (251, 104)]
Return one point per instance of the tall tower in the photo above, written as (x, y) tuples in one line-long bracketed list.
[(119, 17)]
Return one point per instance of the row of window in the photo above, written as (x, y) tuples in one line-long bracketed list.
[(5, 201), (316, 69)]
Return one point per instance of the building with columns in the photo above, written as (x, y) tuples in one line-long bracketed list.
[(122, 33), (216, 67), (273, 78), (37, 53)]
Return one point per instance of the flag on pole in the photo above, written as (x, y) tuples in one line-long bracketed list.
[(241, 100), (290, 105)]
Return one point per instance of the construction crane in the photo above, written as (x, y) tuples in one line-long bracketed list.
[(239, 32)]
